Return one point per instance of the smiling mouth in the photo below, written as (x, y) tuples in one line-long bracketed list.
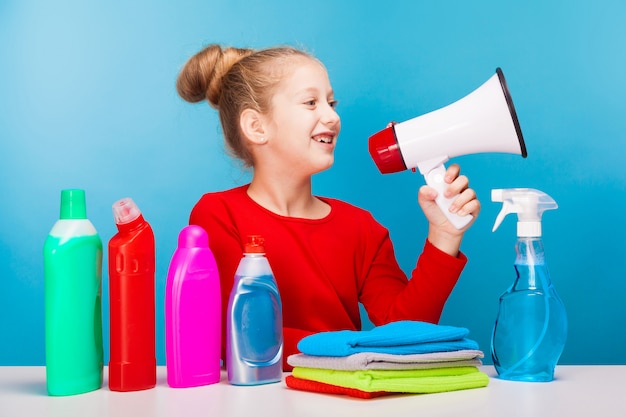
[(324, 139)]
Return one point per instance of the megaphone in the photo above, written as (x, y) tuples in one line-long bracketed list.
[(483, 121)]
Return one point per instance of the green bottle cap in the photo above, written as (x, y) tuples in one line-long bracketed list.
[(73, 204)]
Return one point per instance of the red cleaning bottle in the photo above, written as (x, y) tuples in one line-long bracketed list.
[(132, 364)]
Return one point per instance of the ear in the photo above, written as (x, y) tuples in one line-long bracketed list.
[(252, 126)]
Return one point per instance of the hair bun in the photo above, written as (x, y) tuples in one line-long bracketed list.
[(201, 76)]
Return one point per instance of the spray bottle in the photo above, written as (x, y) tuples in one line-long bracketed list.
[(72, 278), (132, 365), (531, 328), (254, 325), (193, 331)]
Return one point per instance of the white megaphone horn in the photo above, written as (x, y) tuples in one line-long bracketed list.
[(483, 121)]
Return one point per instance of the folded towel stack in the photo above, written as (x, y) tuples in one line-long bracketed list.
[(399, 357)]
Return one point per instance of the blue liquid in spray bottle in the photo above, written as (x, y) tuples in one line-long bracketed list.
[(531, 328)]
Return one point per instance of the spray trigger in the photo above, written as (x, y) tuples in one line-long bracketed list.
[(506, 209), (528, 203)]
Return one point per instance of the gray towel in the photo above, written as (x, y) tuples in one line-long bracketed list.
[(386, 361)]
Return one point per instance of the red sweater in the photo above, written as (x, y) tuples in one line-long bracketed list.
[(325, 267)]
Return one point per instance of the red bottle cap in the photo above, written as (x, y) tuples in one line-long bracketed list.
[(255, 244)]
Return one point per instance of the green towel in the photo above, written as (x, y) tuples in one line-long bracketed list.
[(406, 381)]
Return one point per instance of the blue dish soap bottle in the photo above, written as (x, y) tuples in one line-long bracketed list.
[(254, 324), (531, 328)]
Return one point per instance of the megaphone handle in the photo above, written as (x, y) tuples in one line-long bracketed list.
[(435, 179)]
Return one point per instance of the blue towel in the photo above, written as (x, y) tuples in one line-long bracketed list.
[(399, 338)]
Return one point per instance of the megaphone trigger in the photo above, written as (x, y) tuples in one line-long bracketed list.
[(435, 179)]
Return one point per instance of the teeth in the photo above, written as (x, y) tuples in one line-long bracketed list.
[(325, 140)]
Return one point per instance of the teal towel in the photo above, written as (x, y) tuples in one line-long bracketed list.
[(399, 338)]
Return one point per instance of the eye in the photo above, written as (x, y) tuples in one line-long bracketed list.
[(333, 103), (311, 102)]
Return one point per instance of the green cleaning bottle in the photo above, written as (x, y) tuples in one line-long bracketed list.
[(72, 280)]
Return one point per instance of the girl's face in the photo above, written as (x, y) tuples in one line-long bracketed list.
[(303, 125)]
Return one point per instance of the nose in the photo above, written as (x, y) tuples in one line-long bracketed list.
[(330, 116)]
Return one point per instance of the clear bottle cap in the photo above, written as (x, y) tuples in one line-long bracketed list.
[(529, 229), (73, 205), (125, 211)]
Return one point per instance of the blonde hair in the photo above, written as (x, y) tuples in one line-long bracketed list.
[(232, 80)]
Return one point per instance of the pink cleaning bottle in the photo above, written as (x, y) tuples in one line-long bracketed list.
[(192, 313)]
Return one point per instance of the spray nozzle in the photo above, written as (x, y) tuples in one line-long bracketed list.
[(528, 203)]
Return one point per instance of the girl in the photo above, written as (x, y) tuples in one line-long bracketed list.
[(277, 111)]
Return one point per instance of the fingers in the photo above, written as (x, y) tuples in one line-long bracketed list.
[(458, 183), (427, 192), (466, 201), (452, 173), (426, 199), (464, 198), (457, 186)]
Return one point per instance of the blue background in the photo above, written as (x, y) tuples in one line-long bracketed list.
[(87, 100)]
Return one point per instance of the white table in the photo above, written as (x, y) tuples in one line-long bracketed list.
[(587, 391)]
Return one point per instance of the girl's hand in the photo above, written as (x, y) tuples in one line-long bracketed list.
[(442, 233)]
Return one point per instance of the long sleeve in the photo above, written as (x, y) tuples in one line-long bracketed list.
[(423, 297)]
